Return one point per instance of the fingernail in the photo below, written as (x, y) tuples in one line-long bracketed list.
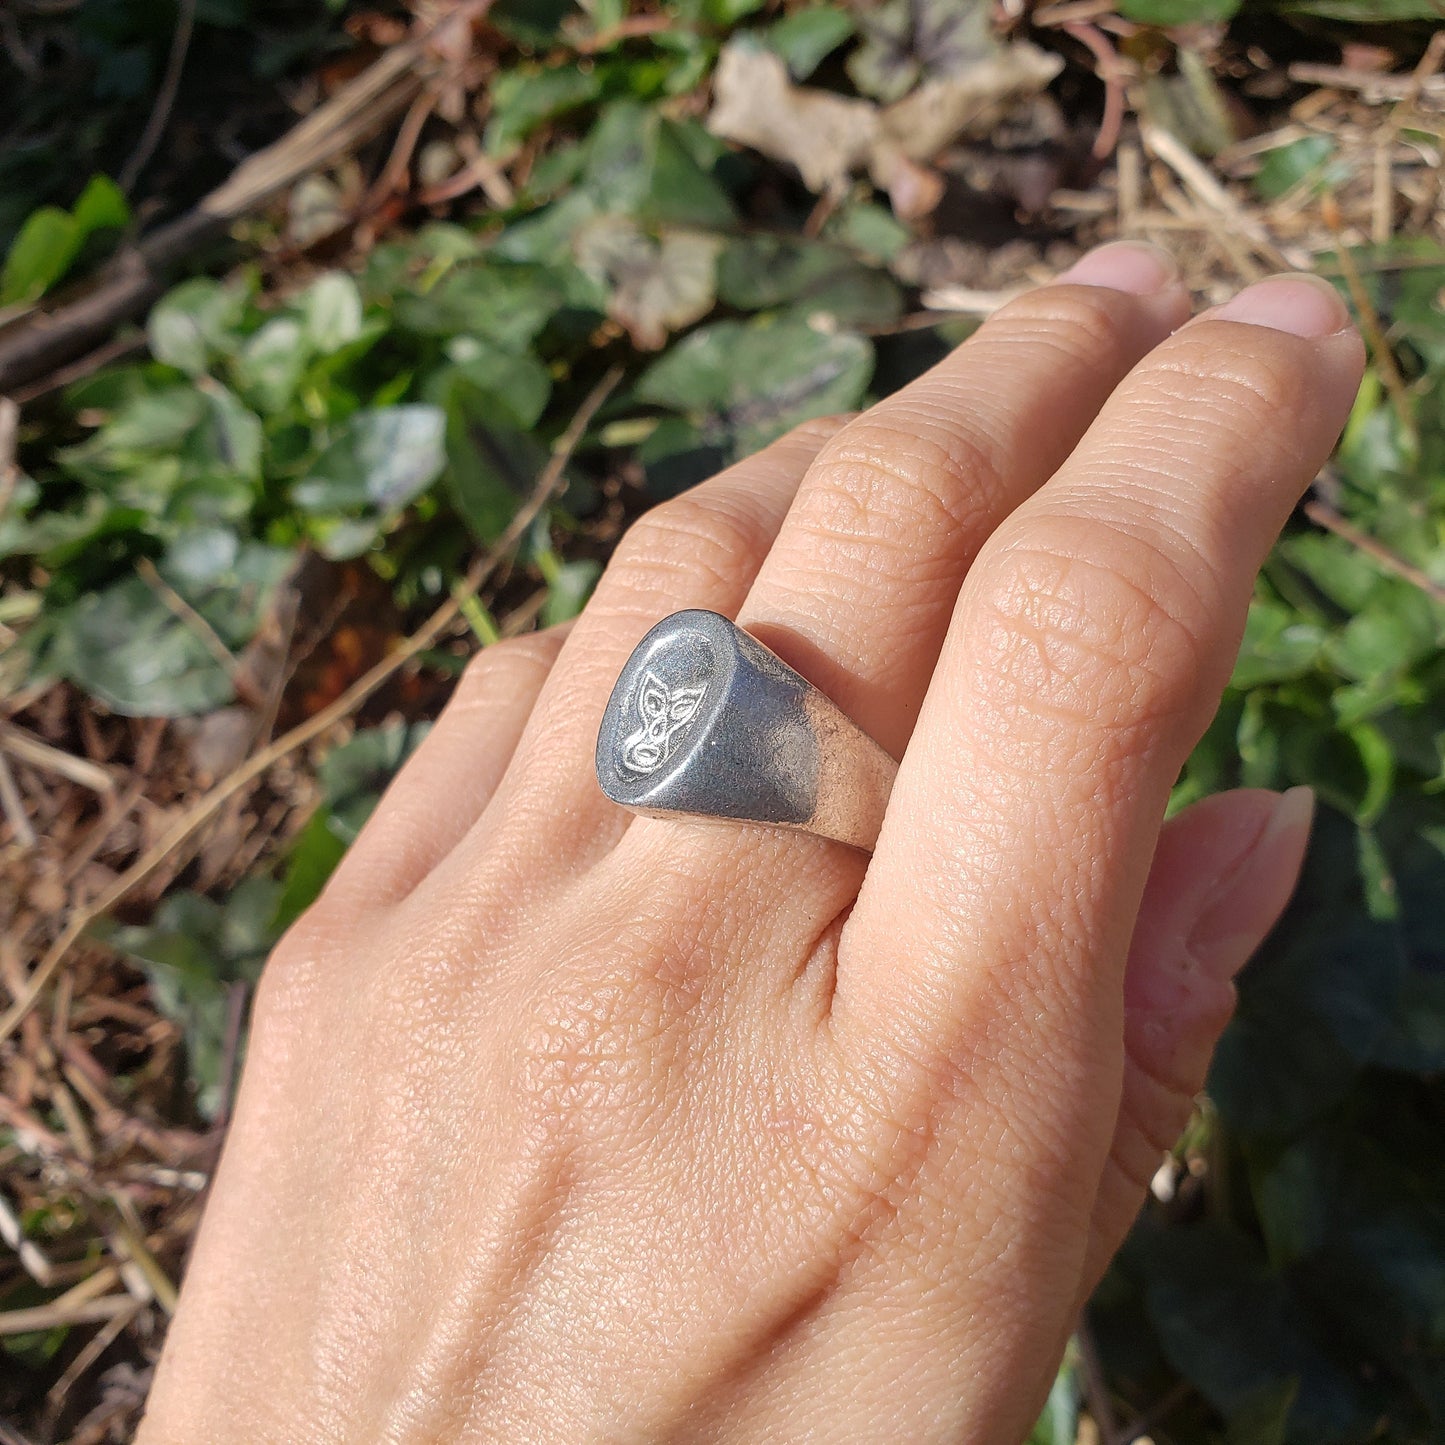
[(1133, 266), (1300, 304), (1237, 915)]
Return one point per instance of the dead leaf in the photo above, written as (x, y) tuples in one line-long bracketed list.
[(968, 103), (656, 284), (825, 136)]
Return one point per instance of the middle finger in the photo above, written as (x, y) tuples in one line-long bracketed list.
[(858, 589)]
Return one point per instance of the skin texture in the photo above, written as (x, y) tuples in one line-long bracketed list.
[(560, 1124)]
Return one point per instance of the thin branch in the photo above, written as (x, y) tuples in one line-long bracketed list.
[(193, 620), (54, 1316), (13, 806), (159, 118), (548, 483), (1323, 515), (30, 749)]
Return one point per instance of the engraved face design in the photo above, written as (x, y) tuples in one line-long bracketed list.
[(664, 712)]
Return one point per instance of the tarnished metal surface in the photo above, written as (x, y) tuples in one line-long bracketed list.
[(705, 722)]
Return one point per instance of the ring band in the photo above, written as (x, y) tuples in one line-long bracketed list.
[(705, 722)]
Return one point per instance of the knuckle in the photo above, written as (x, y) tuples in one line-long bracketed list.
[(503, 665), (1091, 635), (709, 537), (1251, 386), (821, 429), (901, 468), (1083, 322)]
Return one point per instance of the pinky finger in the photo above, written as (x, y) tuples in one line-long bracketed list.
[(450, 779), (1223, 871)]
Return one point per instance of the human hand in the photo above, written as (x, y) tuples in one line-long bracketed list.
[(561, 1124)]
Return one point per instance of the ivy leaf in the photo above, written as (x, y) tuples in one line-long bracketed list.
[(501, 303), (196, 323), (124, 646), (758, 272), (491, 461), (806, 37), (191, 952), (52, 239), (744, 384), (1169, 13), (524, 99), (269, 367), (331, 313), (380, 460), (39, 256), (655, 284), (1315, 1002)]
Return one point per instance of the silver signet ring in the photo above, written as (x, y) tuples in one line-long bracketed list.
[(705, 722)]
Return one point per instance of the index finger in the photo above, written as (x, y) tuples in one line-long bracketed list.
[(1086, 655)]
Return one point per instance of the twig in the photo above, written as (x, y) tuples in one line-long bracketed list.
[(1110, 70), (968, 301), (160, 115), (188, 614), (31, 1256), (1205, 189), (1323, 515), (53, 1316), (1155, 1415), (354, 114), (13, 806), (95, 1347), (9, 433), (30, 749), (1370, 323), (1375, 87), (207, 807)]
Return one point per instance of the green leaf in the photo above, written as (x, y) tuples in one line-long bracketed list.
[(518, 386), (643, 166), (1263, 1418), (1277, 645), (192, 951), (379, 460), (102, 207), (729, 12), (312, 860), (124, 646), (502, 303), (816, 278), (269, 366), (195, 323), (806, 37), (1315, 1001), (745, 384), (1235, 1329), (491, 461), (228, 442), (1168, 13), (40, 255), (1286, 166), (331, 313), (568, 588), (524, 99)]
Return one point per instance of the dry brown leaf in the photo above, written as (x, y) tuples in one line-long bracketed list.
[(655, 284), (827, 136)]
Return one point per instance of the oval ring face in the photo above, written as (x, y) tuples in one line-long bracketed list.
[(664, 712)]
